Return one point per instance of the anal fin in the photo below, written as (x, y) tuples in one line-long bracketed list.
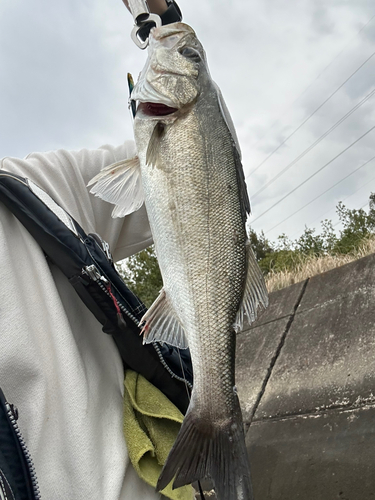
[(255, 293), (162, 324)]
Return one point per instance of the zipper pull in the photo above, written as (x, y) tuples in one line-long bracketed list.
[(121, 323), (14, 411), (94, 274)]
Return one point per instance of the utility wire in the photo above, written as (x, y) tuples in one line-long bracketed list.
[(311, 115), (344, 199), (314, 174), (321, 194), (312, 146), (316, 78)]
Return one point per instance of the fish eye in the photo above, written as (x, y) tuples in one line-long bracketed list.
[(190, 53)]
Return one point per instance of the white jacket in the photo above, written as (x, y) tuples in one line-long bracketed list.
[(57, 367)]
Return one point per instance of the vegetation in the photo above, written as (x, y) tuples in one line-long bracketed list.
[(286, 255), (142, 275), (283, 262), (313, 265)]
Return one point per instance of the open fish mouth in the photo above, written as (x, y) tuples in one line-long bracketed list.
[(155, 109)]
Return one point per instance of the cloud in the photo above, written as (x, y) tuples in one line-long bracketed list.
[(63, 85), (58, 79)]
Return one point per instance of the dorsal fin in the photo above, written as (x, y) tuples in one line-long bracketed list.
[(245, 202)]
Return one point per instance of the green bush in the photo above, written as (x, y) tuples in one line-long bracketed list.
[(285, 255), (280, 260), (142, 275)]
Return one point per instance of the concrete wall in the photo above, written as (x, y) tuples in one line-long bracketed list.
[(306, 380)]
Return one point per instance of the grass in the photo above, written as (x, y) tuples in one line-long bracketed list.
[(311, 266)]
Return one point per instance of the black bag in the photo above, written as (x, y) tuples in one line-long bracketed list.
[(85, 260)]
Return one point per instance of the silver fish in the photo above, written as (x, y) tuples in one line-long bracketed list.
[(189, 172)]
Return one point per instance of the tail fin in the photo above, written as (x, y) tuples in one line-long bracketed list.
[(204, 450)]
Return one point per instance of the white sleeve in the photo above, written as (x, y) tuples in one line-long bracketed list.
[(64, 176)]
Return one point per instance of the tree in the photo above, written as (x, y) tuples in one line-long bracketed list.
[(142, 275), (328, 235), (286, 254), (357, 225), (371, 213), (310, 243), (260, 244)]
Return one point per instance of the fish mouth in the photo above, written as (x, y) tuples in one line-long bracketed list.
[(155, 109)]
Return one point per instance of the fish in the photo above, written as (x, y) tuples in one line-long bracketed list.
[(188, 171)]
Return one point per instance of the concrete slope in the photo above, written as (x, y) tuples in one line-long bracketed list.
[(306, 380)]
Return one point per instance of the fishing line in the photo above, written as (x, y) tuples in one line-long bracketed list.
[(183, 374), (201, 491)]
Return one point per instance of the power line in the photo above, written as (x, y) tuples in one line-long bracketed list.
[(312, 146), (311, 115), (314, 174), (344, 199), (321, 194), (344, 48), (316, 78)]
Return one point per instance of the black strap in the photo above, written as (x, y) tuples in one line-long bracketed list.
[(86, 264)]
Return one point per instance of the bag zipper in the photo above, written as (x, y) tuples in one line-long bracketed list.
[(13, 416), (93, 272), (103, 246)]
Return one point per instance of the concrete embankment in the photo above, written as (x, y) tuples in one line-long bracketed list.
[(306, 380)]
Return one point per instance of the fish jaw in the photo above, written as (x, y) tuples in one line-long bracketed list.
[(169, 77), (156, 110)]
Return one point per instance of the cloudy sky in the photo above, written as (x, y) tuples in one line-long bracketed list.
[(63, 85)]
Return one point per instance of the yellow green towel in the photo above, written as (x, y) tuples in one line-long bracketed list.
[(151, 425)]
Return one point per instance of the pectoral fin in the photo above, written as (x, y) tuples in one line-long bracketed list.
[(162, 324), (120, 184), (154, 145), (255, 293)]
